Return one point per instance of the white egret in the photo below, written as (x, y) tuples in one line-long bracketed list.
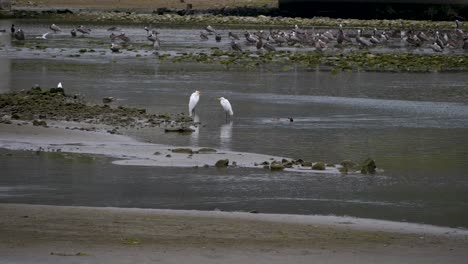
[(59, 85), (226, 106), (194, 98)]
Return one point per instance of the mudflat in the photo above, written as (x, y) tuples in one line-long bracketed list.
[(57, 234)]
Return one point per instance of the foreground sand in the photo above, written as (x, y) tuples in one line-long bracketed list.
[(55, 234)]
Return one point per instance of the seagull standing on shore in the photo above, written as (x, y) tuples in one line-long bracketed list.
[(226, 106), (194, 98)]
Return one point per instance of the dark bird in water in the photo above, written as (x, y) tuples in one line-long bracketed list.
[(291, 119), (203, 35), (54, 28), (19, 34), (235, 46), (115, 48), (218, 37), (13, 29), (83, 30), (73, 33)]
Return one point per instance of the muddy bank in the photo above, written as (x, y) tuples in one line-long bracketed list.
[(37, 106), (50, 234)]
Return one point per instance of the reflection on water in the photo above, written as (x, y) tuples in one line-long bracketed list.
[(225, 135), (196, 131)]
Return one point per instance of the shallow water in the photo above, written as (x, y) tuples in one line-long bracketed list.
[(414, 125)]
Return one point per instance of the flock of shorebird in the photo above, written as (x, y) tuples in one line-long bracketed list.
[(437, 40)]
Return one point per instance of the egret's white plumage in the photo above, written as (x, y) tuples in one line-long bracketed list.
[(226, 106), (59, 85), (194, 98)]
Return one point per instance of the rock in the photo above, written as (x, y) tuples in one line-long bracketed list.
[(182, 150), (265, 163), (276, 166), (107, 100), (368, 166), (39, 123), (57, 91), (168, 156), (347, 165), (319, 166), (222, 163), (306, 164), (36, 88), (299, 161), (15, 116), (206, 150), (157, 153), (288, 164)]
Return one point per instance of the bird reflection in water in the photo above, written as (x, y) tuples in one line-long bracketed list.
[(196, 133), (225, 135)]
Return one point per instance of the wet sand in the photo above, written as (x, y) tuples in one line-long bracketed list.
[(126, 150), (54, 234)]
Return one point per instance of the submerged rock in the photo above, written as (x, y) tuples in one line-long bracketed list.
[(368, 166), (222, 163), (107, 100), (39, 123), (276, 166), (347, 165), (182, 150), (206, 150), (319, 166)]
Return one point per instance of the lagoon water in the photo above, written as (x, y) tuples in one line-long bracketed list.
[(414, 125)]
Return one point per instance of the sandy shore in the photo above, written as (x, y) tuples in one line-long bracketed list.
[(56, 234), (127, 150)]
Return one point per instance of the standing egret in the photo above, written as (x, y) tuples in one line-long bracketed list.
[(226, 106), (59, 85), (194, 98)]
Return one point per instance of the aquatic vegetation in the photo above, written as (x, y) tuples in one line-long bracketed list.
[(285, 60)]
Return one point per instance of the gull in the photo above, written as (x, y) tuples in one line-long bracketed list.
[(44, 36)]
